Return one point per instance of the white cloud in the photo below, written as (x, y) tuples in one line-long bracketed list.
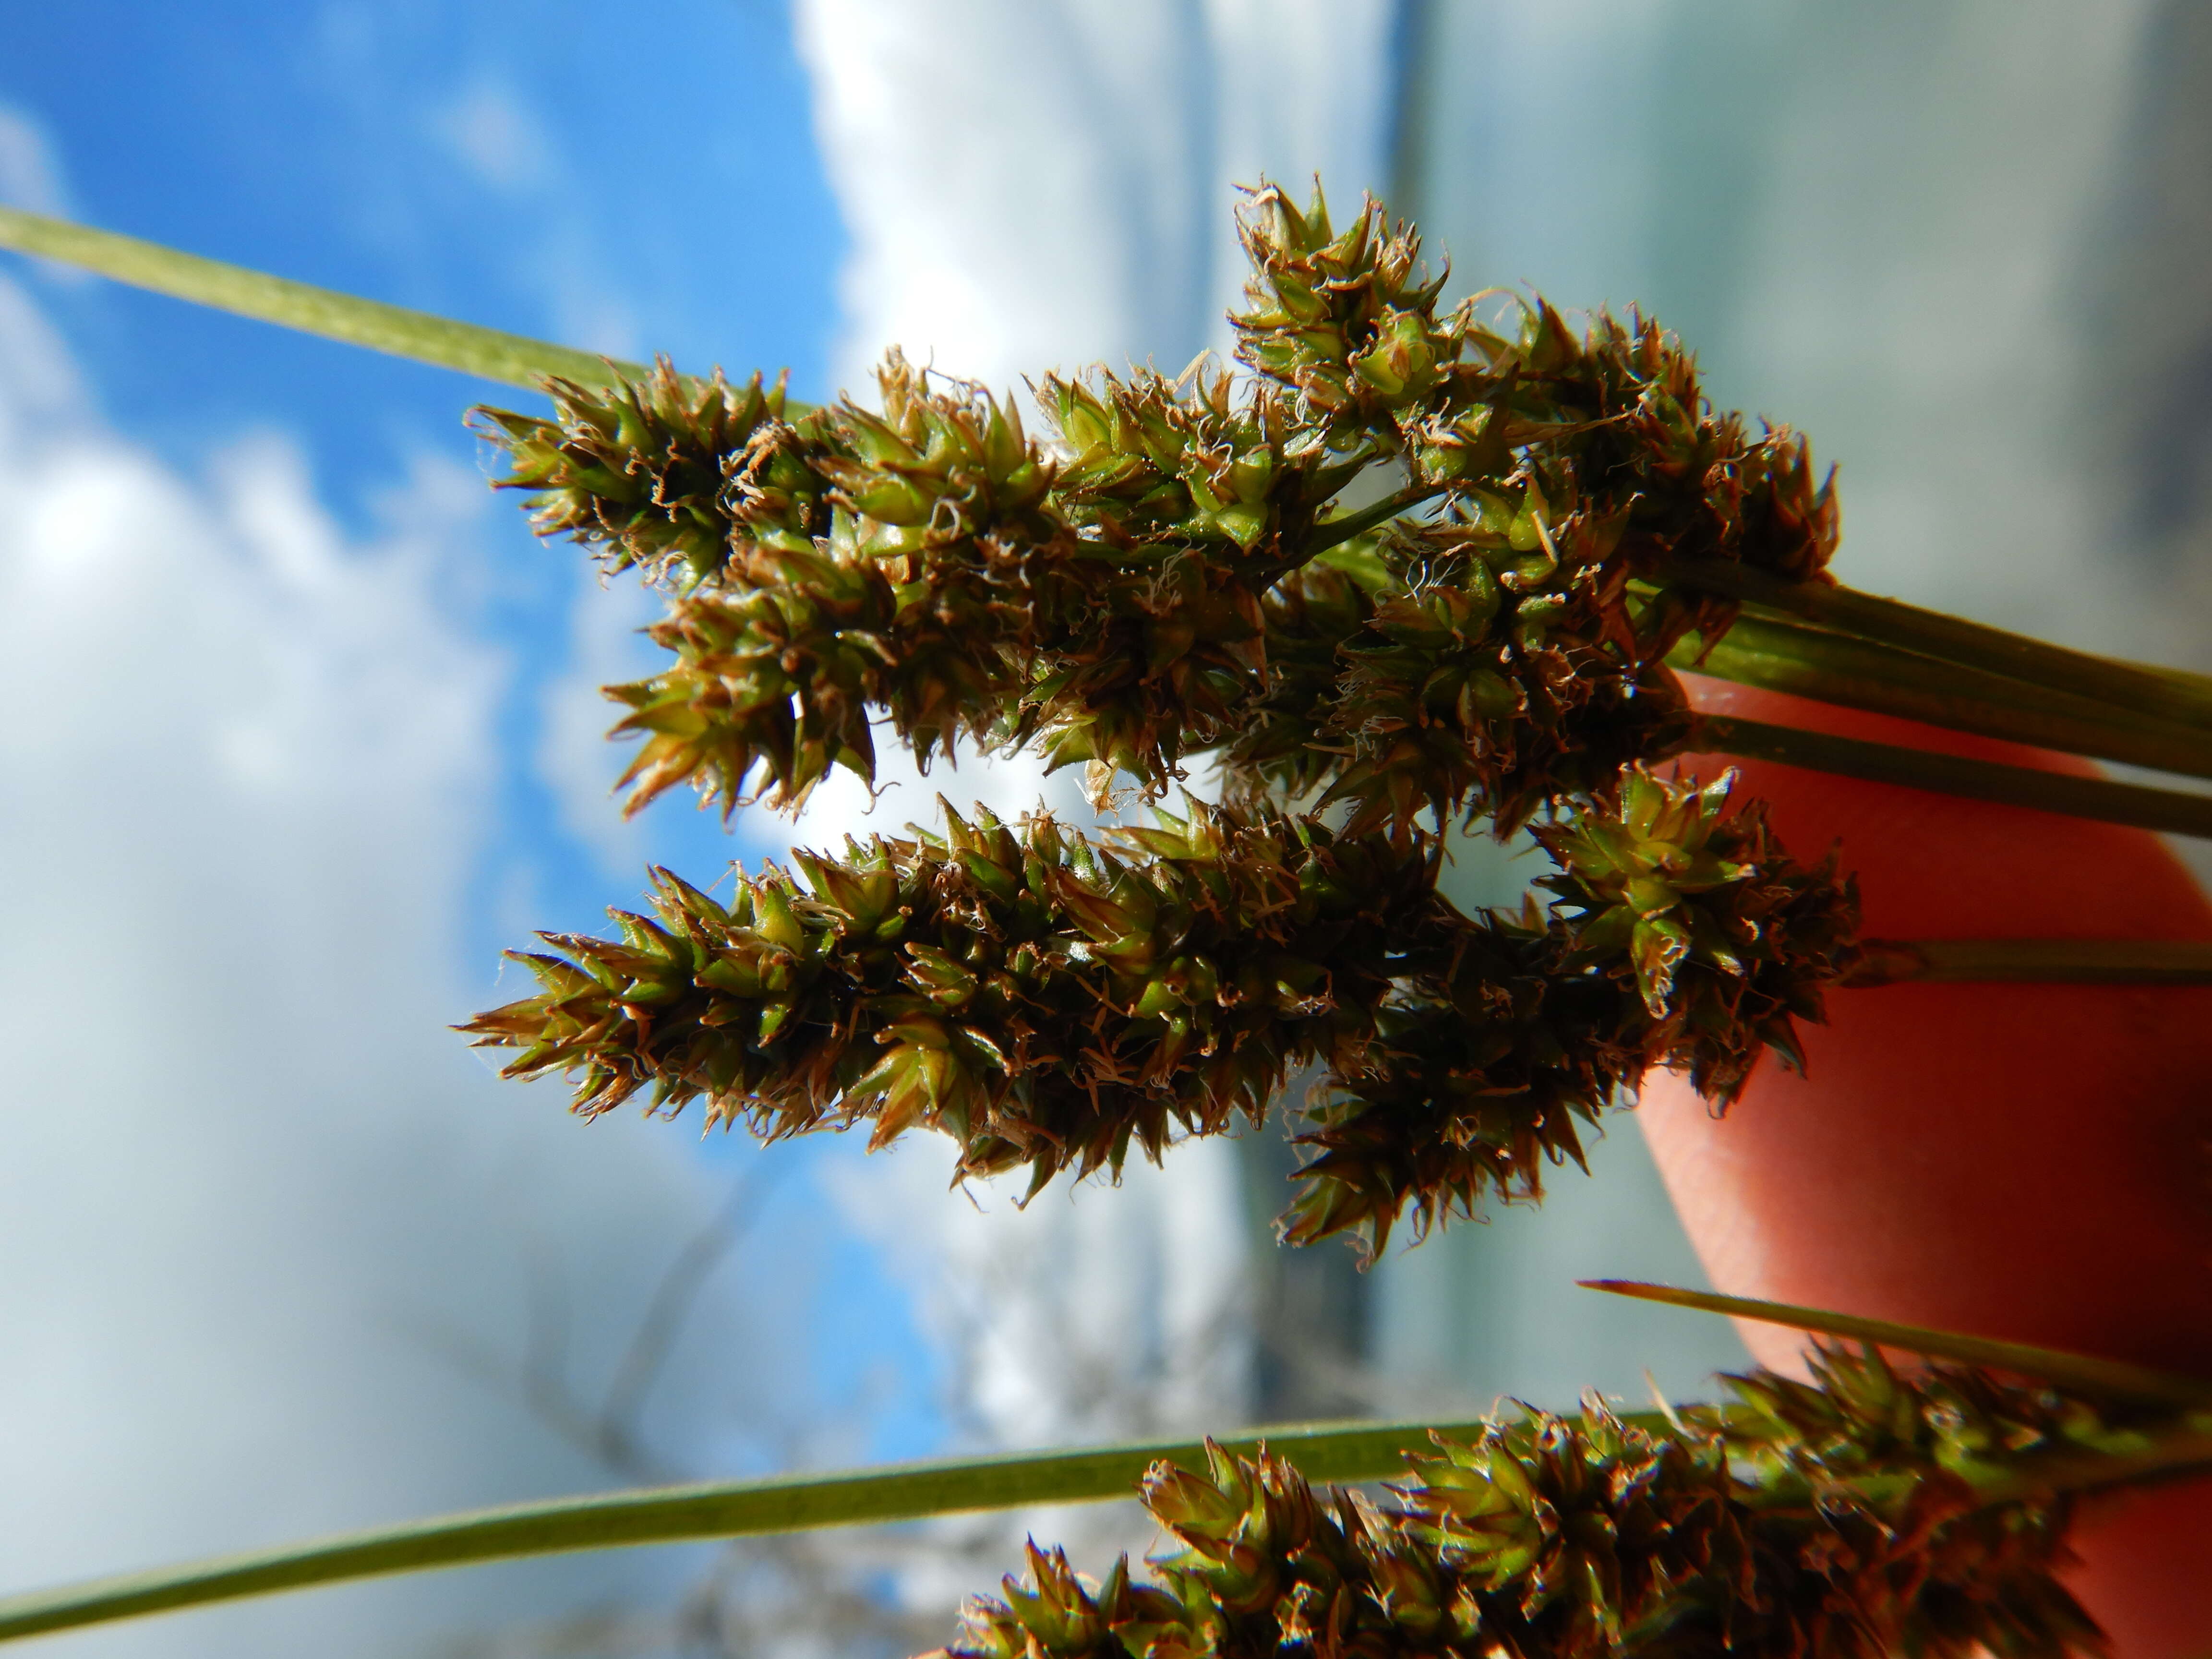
[(30, 172), (31, 178), (244, 1168), (1096, 1313), (1040, 186), (575, 761), (1011, 786), (489, 127)]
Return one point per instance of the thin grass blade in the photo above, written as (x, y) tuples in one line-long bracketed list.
[(512, 359), (910, 1492), (2084, 1372), (2184, 1451), (2034, 962)]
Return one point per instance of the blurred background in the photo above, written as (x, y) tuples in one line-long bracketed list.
[(300, 728)]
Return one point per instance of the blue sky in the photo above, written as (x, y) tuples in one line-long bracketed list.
[(633, 182), (412, 790)]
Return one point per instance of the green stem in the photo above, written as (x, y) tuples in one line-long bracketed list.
[(2083, 1373), (512, 359), (907, 1492), (1332, 532), (2033, 961), (2167, 693), (915, 1491), (2184, 1451), (2166, 810), (1786, 656)]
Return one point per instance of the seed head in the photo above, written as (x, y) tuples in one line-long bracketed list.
[(1828, 1526)]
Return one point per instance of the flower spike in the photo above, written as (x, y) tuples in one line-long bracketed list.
[(1863, 1514)]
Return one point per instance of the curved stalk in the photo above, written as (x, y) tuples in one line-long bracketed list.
[(908, 1492), (2170, 810), (2184, 1449), (2169, 694), (2084, 1373), (512, 359), (1334, 532)]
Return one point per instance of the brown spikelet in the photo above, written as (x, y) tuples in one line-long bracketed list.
[(1820, 1521)]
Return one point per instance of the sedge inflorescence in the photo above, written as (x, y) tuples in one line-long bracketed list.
[(1468, 643), (1864, 1514), (1408, 568), (1049, 1000)]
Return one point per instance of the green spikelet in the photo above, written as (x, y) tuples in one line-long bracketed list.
[(769, 690), (1139, 595), (1278, 754), (1346, 320), (1190, 504), (1048, 1002), (1728, 941), (651, 476), (916, 598), (1682, 935), (1496, 682), (1478, 1078), (1044, 1000)]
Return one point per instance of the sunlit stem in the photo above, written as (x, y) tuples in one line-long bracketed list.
[(2161, 693), (1781, 655), (1362, 1451), (512, 359), (2083, 1373)]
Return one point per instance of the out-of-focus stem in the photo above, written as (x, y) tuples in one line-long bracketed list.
[(2085, 1373), (2166, 810), (2032, 961), (1782, 655), (512, 359), (2162, 693)]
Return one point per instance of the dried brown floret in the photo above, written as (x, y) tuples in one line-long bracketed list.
[(1682, 935), (1478, 1080)]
